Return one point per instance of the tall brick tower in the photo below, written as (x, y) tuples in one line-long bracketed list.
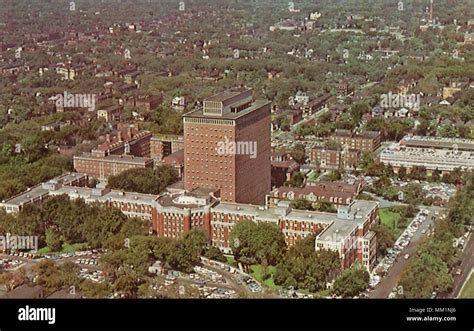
[(227, 146)]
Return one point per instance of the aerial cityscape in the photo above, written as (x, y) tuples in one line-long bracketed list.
[(228, 149)]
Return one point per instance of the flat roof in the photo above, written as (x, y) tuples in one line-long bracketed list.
[(432, 158), (228, 94), (257, 104), (24, 197), (114, 158), (341, 228), (86, 193), (438, 142), (38, 191)]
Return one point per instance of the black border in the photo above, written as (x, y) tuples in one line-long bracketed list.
[(237, 314)]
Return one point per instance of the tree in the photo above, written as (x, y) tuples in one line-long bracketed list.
[(139, 254), (147, 181), (94, 290), (48, 275), (183, 257), (402, 173), (436, 175), (302, 204), (127, 284), (418, 172), (304, 268), (215, 254), (297, 180), (385, 238), (424, 274), (53, 240), (257, 243), (326, 207), (351, 282), (298, 153), (10, 279), (197, 240)]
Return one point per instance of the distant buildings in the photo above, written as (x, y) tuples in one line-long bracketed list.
[(283, 168), (334, 157), (102, 167), (126, 149), (176, 160), (227, 146), (444, 154), (110, 114), (332, 192), (40, 193), (366, 142), (164, 145), (344, 149)]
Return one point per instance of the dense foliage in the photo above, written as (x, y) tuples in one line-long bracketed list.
[(144, 180)]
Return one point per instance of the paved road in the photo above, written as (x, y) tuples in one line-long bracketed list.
[(231, 278), (387, 204), (390, 280), (467, 264)]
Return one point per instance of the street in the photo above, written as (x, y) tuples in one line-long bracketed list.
[(467, 264), (389, 281)]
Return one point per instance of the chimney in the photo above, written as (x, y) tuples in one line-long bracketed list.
[(107, 137), (119, 136), (129, 132)]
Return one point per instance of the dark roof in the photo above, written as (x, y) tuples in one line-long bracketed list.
[(26, 292)]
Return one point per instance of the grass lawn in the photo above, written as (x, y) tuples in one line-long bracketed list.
[(313, 175), (390, 219), (257, 271), (67, 248), (231, 260), (468, 289)]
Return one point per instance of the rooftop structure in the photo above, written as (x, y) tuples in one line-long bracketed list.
[(444, 154)]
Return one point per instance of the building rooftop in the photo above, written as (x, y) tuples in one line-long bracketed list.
[(226, 95), (41, 190), (90, 194), (26, 292), (323, 188), (430, 157), (342, 227), (437, 142), (115, 158), (359, 211), (257, 104)]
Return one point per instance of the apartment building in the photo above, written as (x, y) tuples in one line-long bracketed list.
[(230, 119)]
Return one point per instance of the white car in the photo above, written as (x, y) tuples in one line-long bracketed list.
[(406, 256)]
